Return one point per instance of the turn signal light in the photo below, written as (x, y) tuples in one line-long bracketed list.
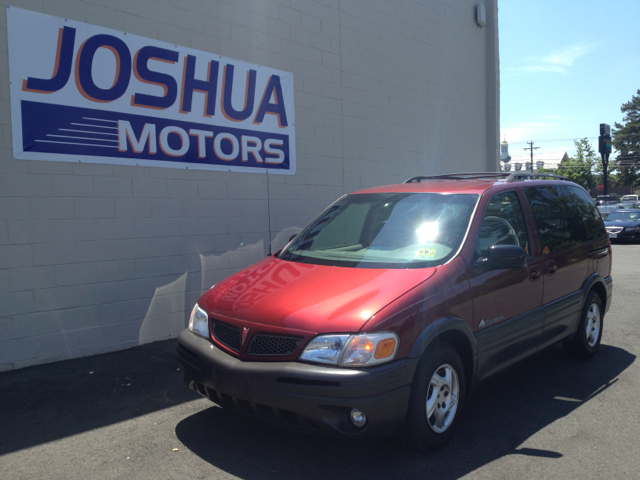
[(385, 348)]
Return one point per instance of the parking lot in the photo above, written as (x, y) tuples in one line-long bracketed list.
[(128, 415)]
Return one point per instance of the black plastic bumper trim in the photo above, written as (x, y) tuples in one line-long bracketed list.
[(308, 396)]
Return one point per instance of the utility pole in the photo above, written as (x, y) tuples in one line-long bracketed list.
[(532, 148)]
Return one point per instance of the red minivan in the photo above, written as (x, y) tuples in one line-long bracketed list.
[(387, 310)]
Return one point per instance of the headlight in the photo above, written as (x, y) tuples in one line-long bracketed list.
[(352, 350), (325, 349), (633, 229), (199, 322)]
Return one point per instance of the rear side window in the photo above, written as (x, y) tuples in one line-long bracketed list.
[(563, 216), (592, 222)]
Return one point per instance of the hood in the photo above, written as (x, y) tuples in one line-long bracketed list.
[(311, 298)]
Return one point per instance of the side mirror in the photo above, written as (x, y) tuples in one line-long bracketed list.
[(501, 257), (506, 256)]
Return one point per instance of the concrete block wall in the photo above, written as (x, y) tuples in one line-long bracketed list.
[(95, 258)]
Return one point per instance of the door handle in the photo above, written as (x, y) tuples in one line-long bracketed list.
[(534, 273), (602, 252), (551, 267)]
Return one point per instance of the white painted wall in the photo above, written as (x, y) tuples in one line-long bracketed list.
[(95, 258)]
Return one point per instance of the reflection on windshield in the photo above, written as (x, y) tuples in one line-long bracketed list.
[(623, 216), (427, 232), (391, 230)]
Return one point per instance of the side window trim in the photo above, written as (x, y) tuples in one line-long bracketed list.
[(535, 247), (529, 192)]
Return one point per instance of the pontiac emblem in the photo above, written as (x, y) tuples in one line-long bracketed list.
[(244, 334)]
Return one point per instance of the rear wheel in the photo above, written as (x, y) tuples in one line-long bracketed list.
[(437, 398), (586, 341)]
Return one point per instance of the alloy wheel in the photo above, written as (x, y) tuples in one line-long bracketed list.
[(442, 398), (593, 325)]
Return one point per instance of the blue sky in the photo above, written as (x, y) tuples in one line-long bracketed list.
[(565, 67)]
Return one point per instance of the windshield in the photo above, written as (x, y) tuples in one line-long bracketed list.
[(630, 198), (385, 230), (623, 216)]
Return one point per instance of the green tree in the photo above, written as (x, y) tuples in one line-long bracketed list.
[(626, 140), (580, 167)]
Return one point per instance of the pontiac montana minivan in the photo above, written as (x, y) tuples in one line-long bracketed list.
[(384, 313)]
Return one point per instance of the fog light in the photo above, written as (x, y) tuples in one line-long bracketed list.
[(358, 418)]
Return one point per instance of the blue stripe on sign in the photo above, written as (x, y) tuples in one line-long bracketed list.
[(69, 130)]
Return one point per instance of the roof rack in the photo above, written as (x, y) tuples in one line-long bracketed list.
[(458, 176), (532, 175), (508, 177)]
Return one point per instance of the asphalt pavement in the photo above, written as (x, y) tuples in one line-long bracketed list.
[(128, 415)]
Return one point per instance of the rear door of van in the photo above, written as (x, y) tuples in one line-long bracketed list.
[(568, 230)]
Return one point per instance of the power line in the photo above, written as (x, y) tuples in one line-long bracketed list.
[(574, 139), (554, 140)]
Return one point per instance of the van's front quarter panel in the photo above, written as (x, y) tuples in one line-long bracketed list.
[(444, 295)]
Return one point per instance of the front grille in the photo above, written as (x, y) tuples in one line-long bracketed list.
[(273, 345), (227, 335), (614, 229)]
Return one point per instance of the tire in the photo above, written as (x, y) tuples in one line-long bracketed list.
[(433, 412), (586, 341)]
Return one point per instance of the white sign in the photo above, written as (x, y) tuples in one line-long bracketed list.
[(85, 93)]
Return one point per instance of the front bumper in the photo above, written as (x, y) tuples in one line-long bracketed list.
[(624, 235), (299, 395), (608, 284)]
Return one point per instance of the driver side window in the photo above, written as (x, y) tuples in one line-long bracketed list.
[(502, 224)]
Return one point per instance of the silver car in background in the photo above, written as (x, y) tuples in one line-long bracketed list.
[(606, 207)]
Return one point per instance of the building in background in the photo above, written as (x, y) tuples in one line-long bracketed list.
[(547, 161), (151, 148), (504, 152)]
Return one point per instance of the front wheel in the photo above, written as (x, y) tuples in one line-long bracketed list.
[(437, 398), (586, 341)]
